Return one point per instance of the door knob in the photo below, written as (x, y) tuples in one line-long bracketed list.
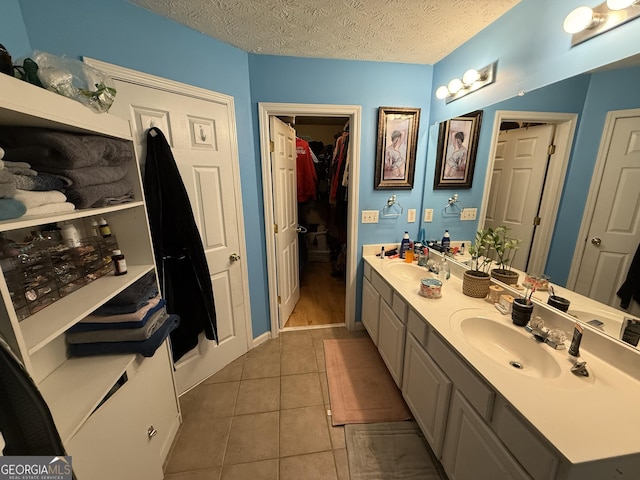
[(596, 241), (234, 257)]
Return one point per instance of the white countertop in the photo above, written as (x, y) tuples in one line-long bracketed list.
[(586, 419)]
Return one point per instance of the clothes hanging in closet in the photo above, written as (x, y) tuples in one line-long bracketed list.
[(305, 171), (180, 259)]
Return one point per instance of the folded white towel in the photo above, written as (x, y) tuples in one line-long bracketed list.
[(49, 208), (35, 199)]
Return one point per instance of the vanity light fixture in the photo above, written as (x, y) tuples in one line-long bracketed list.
[(585, 22), (472, 80)]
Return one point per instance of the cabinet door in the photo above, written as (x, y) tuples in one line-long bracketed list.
[(370, 309), (471, 448), (114, 441), (427, 391), (391, 333)]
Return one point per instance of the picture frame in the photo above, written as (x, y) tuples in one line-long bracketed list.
[(457, 149), (396, 152)]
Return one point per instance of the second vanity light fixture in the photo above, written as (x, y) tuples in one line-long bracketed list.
[(586, 22), (472, 80)]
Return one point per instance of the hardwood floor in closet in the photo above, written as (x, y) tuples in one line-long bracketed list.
[(322, 297)]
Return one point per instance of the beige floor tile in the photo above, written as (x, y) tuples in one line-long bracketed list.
[(270, 346), (322, 367), (303, 430), (336, 433), (230, 373), (314, 466), (212, 400), (300, 391), (204, 474), (262, 366), (264, 470), (200, 444), (302, 360), (342, 463), (252, 438), (258, 395), (295, 339)]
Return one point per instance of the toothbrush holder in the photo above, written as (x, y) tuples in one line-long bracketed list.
[(560, 303), (521, 311)]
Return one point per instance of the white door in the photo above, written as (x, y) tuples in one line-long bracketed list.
[(517, 182), (199, 133), (285, 206), (614, 232)]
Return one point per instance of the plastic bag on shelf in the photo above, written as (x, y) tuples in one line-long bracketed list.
[(76, 80)]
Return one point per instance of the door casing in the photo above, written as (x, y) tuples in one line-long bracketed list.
[(354, 113)]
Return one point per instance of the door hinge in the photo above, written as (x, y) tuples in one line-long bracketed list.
[(272, 147), (536, 221), (275, 228), (279, 299), (550, 151)]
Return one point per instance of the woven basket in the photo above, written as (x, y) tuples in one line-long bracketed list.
[(505, 276), (476, 284)]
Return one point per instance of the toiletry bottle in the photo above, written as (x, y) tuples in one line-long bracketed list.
[(119, 263), (445, 273), (382, 253), (446, 241), (405, 244), (105, 230), (408, 253), (70, 235), (462, 249), (94, 230)]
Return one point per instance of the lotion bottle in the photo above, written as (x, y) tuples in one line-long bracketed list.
[(446, 241), (405, 244)]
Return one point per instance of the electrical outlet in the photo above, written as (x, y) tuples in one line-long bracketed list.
[(468, 214), (428, 214), (411, 215), (369, 216)]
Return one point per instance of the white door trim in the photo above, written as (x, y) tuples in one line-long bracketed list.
[(354, 112), (565, 129), (145, 79), (594, 187)]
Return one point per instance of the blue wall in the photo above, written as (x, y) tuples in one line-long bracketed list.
[(13, 34)]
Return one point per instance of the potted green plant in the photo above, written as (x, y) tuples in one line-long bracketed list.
[(503, 251), (476, 280)]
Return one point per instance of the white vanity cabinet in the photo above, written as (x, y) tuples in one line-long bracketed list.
[(103, 406), (370, 310)]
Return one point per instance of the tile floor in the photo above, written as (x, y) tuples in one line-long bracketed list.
[(264, 417)]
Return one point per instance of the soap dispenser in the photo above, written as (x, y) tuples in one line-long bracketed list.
[(446, 241), (405, 244)]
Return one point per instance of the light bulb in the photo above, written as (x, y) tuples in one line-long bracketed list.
[(470, 76), (454, 86), (442, 92), (619, 4), (579, 19)]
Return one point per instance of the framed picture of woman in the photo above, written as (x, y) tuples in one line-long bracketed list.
[(457, 148), (396, 153)]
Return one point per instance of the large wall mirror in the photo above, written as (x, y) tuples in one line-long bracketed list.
[(585, 195)]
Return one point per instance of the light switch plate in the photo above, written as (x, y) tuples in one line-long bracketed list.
[(428, 214), (468, 214), (411, 215), (369, 216)]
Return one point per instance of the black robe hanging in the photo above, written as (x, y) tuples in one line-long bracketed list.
[(183, 273)]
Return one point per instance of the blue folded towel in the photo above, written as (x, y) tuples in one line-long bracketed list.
[(11, 208), (93, 326)]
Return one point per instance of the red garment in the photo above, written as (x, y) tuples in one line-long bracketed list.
[(339, 155), (305, 171)]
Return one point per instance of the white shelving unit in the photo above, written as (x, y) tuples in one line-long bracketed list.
[(75, 388)]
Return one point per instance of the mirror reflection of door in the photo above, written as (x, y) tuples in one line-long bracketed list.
[(517, 184), (614, 231)]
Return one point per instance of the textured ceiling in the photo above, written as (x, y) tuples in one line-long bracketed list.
[(409, 31)]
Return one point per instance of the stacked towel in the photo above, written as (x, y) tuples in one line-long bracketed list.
[(7, 185), (93, 167), (133, 298), (47, 202)]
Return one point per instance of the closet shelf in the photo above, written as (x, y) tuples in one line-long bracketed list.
[(76, 388), (43, 327)]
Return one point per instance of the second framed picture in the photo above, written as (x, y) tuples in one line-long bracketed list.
[(397, 142), (457, 149)]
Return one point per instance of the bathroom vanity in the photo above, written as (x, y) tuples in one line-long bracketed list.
[(488, 396)]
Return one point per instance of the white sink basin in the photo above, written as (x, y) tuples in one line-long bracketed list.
[(508, 345), (407, 271)]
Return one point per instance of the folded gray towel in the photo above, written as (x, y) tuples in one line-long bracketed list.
[(95, 195), (87, 176), (6, 176), (7, 163), (41, 182), (7, 190), (64, 149)]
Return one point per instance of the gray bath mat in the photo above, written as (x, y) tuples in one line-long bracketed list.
[(389, 451)]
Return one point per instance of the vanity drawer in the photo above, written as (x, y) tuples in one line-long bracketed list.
[(382, 287), (475, 390), (524, 443), (399, 307), (418, 327)]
